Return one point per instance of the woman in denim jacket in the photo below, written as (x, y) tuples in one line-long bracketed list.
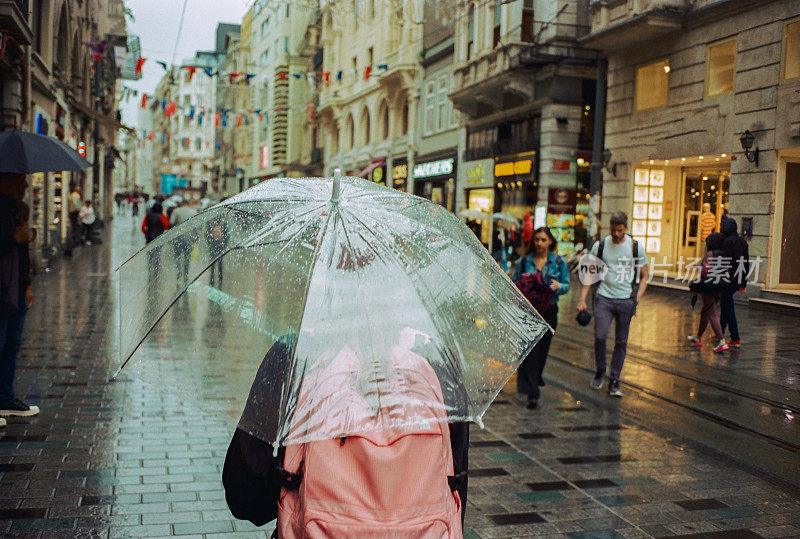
[(541, 257)]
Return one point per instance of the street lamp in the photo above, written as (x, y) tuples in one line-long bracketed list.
[(747, 140), (612, 168)]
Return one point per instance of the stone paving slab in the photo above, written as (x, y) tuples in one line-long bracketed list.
[(126, 459)]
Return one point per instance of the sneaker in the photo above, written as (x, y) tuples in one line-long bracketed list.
[(18, 408), (533, 403), (735, 344), (613, 388), (695, 340), (597, 381), (721, 346)]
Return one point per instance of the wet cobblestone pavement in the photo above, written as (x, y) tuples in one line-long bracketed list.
[(125, 459)]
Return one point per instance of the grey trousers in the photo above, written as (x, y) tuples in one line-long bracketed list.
[(620, 311)]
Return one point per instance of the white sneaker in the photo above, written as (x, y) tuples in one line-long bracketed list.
[(18, 408)]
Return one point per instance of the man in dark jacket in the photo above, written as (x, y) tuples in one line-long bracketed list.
[(249, 475), (735, 248), (16, 296)]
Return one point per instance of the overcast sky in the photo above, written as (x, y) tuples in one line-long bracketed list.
[(156, 25)]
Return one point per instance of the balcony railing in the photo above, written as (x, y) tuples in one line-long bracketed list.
[(14, 20)]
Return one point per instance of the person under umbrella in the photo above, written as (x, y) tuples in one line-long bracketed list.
[(154, 223)]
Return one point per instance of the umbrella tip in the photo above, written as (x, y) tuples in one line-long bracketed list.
[(337, 181)]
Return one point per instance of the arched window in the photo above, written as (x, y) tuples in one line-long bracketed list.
[(61, 54), (365, 127), (383, 114), (334, 140), (471, 31), (350, 130), (404, 121)]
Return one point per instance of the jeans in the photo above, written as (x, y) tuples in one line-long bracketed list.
[(530, 371), (620, 311), (10, 342), (728, 314)]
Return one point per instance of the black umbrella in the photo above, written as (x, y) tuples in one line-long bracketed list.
[(23, 153)]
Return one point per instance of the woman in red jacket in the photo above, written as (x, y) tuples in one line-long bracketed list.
[(154, 223)]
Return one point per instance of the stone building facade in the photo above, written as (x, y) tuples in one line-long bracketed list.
[(686, 81)]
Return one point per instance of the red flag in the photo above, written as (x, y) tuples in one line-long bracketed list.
[(283, 75), (217, 117), (367, 71), (139, 64), (326, 76), (144, 101), (192, 70), (151, 135), (238, 120), (170, 109)]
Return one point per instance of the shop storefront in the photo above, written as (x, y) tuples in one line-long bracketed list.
[(784, 273), (477, 177), (400, 174), (516, 184), (434, 179), (676, 206), (375, 171)]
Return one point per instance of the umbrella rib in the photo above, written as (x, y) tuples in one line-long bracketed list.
[(173, 302)]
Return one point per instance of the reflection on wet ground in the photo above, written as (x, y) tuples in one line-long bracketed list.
[(128, 459)]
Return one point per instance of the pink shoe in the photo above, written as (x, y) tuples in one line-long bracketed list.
[(695, 340), (721, 346)]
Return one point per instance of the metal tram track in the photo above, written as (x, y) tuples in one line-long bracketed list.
[(773, 440)]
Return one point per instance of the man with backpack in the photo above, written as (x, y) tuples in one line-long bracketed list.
[(737, 253), (616, 299)]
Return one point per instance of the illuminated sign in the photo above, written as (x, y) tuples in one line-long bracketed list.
[(82, 148), (513, 167), (400, 172), (434, 168), (377, 175), (648, 195)]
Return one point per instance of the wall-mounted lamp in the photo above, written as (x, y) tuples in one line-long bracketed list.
[(610, 167), (747, 140)]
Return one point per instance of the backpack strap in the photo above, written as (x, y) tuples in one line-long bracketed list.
[(456, 481), (635, 254), (601, 247), (284, 478)]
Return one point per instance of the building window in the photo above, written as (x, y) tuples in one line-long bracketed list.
[(365, 126), (404, 123), (652, 84), (385, 122), (791, 50), (498, 15), (719, 76), (527, 34), (286, 44), (430, 107), (470, 31), (265, 27), (265, 57), (287, 11), (444, 105), (370, 58), (38, 19)]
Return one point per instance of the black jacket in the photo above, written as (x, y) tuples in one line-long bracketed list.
[(736, 248), (14, 258), (253, 495)]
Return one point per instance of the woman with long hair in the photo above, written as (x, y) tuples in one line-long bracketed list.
[(541, 258)]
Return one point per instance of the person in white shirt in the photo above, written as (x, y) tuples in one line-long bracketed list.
[(617, 297), (87, 218)]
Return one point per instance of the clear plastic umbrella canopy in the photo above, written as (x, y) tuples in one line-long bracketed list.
[(317, 308)]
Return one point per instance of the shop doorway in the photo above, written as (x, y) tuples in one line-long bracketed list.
[(482, 200), (705, 202), (790, 231)]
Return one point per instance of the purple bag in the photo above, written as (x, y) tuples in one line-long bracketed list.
[(536, 290)]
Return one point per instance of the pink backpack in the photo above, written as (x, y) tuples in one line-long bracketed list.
[(386, 482)]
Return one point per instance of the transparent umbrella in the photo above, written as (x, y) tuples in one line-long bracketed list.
[(317, 308)]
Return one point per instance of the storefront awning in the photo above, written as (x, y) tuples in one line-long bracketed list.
[(372, 166)]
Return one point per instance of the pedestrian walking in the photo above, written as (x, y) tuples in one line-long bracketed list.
[(737, 253), (135, 207), (217, 237), (154, 223), (183, 245), (710, 285), (499, 242), (617, 297), (73, 209), (87, 218), (16, 296), (541, 258)]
